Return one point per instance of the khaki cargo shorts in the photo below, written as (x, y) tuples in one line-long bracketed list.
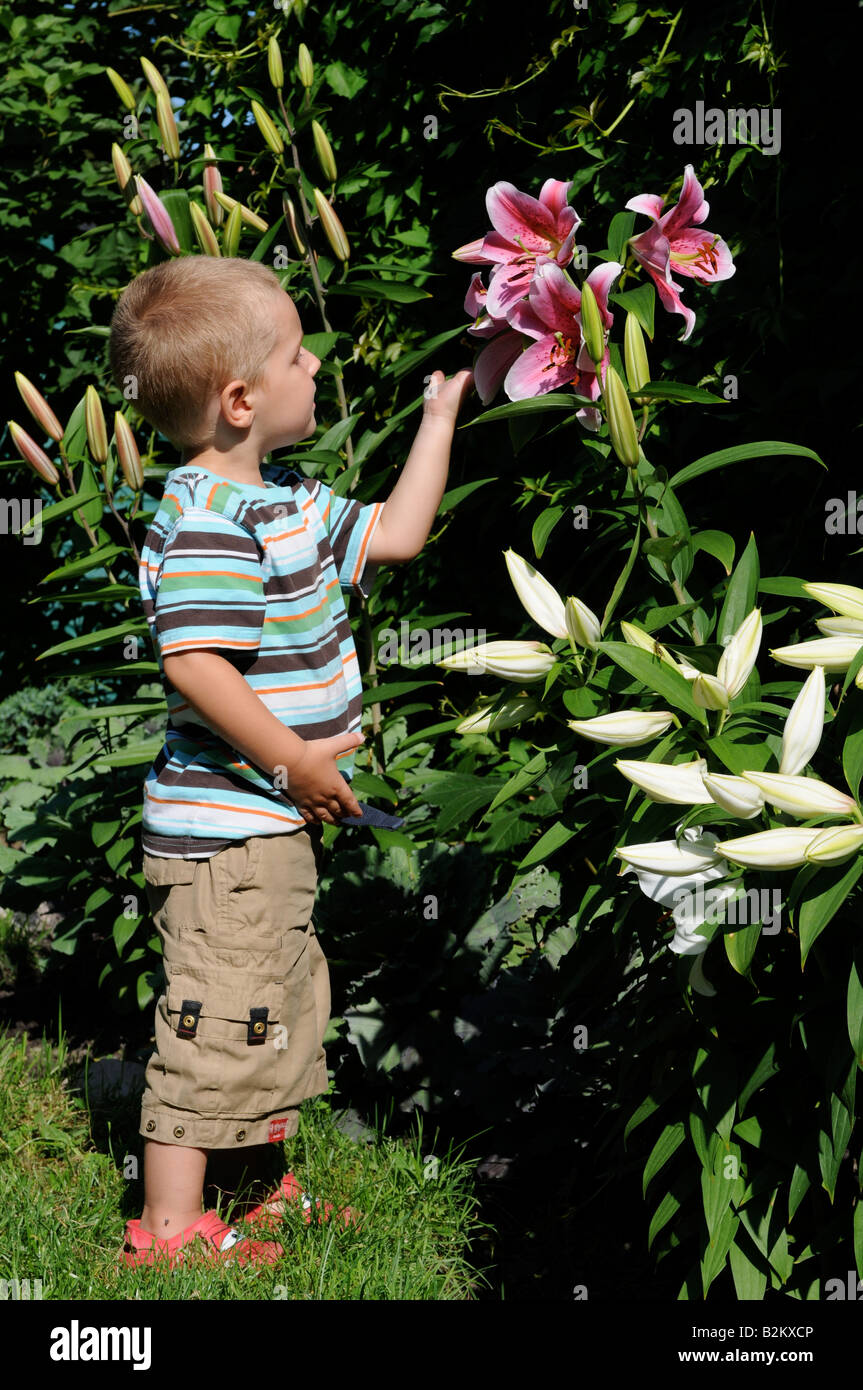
[(240, 1025)]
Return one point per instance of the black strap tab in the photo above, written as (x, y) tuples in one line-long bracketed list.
[(189, 1015), (257, 1026)]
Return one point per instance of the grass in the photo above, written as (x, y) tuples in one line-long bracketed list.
[(69, 1181)]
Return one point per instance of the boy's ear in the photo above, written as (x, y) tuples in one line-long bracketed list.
[(235, 404)]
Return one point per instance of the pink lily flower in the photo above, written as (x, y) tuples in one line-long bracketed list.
[(496, 358), (527, 232), (676, 243), (159, 217), (551, 314)]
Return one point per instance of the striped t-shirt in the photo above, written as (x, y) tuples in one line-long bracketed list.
[(255, 574)]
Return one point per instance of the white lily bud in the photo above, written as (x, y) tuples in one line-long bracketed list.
[(737, 660), (690, 672), (709, 692), (692, 855), (833, 845), (582, 626), (841, 627), (513, 661), (734, 794), (833, 653), (699, 980), (802, 796), (842, 598), (805, 723), (509, 713), (625, 727), (679, 783), (637, 637), (771, 849), (540, 598)]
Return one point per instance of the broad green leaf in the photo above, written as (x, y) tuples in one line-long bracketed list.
[(855, 1005), (525, 777), (57, 509), (409, 360), (639, 302), (123, 930), (556, 835), (666, 1145), (176, 201), (740, 945), (543, 527), (455, 495), (655, 675), (395, 291), (96, 559), (852, 754), (668, 1207), (766, 1067), (337, 434), (619, 232), (134, 627), (536, 405), (716, 1254), (718, 544), (677, 391), (740, 595), (750, 1282), (765, 449), (821, 899), (798, 1188)]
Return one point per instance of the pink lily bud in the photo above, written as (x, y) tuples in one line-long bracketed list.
[(123, 90), (154, 77), (332, 226), (127, 452), (204, 233), (32, 454), (167, 125), (291, 214), (212, 186), (158, 215), (39, 407), (97, 434), (231, 233), (126, 180)]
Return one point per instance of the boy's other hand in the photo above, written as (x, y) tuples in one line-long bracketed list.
[(315, 784), (445, 398)]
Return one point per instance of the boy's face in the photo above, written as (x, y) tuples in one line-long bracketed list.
[(285, 398)]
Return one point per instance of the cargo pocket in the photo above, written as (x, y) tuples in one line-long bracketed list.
[(174, 878), (221, 1055)]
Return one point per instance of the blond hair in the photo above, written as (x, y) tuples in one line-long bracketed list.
[(185, 328)]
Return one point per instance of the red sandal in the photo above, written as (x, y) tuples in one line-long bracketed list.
[(268, 1215), (222, 1244)]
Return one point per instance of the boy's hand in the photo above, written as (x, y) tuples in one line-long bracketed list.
[(315, 784), (445, 398)]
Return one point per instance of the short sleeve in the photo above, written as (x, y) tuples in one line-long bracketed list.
[(209, 587), (350, 525)]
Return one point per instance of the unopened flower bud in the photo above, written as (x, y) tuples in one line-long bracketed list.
[(635, 354), (97, 434), (126, 180), (621, 421), (274, 63), (127, 452), (267, 128), (154, 77), (250, 218), (332, 226), (159, 216), (39, 407), (167, 125), (212, 181), (324, 151), (231, 232), (123, 90), (204, 233), (32, 454), (291, 215), (591, 324), (305, 66)]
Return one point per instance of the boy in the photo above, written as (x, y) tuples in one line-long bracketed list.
[(241, 578)]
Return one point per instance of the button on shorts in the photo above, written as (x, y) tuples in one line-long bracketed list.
[(240, 1024)]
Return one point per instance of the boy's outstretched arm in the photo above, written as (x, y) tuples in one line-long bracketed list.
[(410, 509)]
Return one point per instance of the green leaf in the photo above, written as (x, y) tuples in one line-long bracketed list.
[(797, 1190), (639, 302), (543, 527), (525, 777), (396, 291), (536, 405), (409, 360), (556, 835), (619, 233), (337, 434), (718, 544), (454, 495), (852, 754), (176, 202), (96, 559), (678, 391), (668, 1207), (740, 945), (655, 674), (831, 1147), (123, 930), (855, 1005), (770, 448), (345, 81), (740, 595), (750, 1282), (622, 579), (822, 898), (57, 509), (133, 627), (666, 1145)]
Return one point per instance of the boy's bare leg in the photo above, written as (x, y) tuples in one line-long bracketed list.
[(173, 1187)]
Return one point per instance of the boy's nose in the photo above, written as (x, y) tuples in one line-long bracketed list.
[(316, 362)]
